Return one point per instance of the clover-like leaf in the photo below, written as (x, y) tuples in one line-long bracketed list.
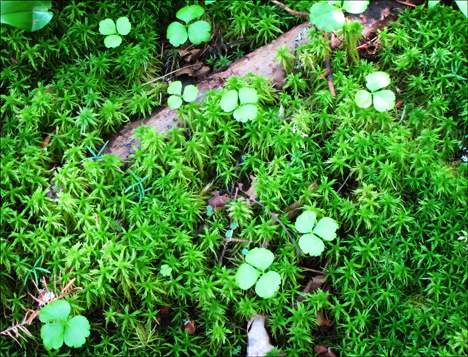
[(76, 331), (229, 101), (260, 258), (188, 13), (199, 32), (166, 270), (56, 311), (306, 222), (311, 244), (246, 276), (245, 113), (175, 88), (248, 95), (363, 99), (52, 335), (112, 41), (233, 225), (107, 27), (384, 100), (26, 15), (268, 284), (326, 228), (377, 80), (327, 17), (174, 102), (190, 93), (123, 25), (177, 34), (355, 7)]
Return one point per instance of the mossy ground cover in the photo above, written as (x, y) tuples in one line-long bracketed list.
[(393, 181)]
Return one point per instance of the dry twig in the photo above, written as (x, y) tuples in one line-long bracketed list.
[(291, 11)]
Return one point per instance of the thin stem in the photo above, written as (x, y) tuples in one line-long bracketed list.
[(291, 11), (177, 70), (282, 225)]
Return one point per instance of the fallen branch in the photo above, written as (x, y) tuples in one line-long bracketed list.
[(291, 11)]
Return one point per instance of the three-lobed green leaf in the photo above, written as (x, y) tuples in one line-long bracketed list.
[(310, 242), (247, 275), (383, 100), (197, 32), (175, 88), (114, 31), (58, 330), (247, 96), (26, 15)]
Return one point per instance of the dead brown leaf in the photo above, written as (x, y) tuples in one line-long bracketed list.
[(218, 201)]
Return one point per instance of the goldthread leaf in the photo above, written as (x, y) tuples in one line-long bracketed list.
[(174, 102), (166, 270), (112, 41), (306, 222), (190, 93), (248, 95), (311, 244), (123, 25), (229, 101), (363, 99), (56, 311), (355, 7), (268, 284), (175, 88), (327, 17), (260, 258), (246, 276), (177, 34), (52, 335), (26, 15), (463, 6), (245, 113), (384, 100), (188, 13), (107, 27), (76, 331), (326, 228), (377, 80), (199, 32)]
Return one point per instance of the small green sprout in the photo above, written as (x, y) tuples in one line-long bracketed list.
[(59, 328), (33, 269), (247, 275), (114, 30), (166, 270), (141, 191), (175, 88), (197, 32), (209, 211), (246, 111), (98, 156), (325, 228), (328, 16), (233, 226), (383, 99)]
